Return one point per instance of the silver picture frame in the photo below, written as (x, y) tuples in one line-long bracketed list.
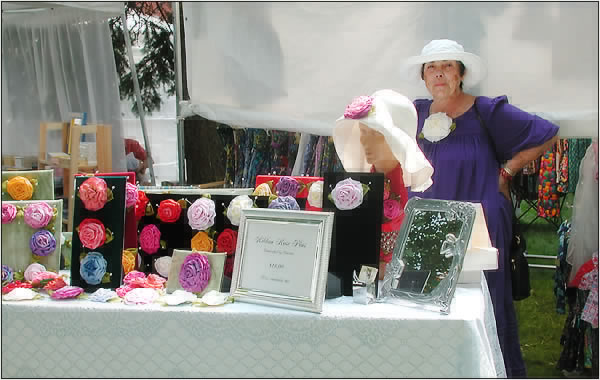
[(429, 254), (282, 258)]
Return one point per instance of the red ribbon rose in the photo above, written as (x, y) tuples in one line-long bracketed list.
[(227, 240), (140, 205), (169, 211), (92, 233)]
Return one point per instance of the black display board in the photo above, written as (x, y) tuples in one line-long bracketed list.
[(356, 233), (112, 215), (179, 234)]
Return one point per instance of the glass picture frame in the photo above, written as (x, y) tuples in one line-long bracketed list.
[(429, 254)]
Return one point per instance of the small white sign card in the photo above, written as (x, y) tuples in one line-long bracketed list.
[(282, 258)]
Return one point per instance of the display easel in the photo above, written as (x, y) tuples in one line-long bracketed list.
[(71, 138)]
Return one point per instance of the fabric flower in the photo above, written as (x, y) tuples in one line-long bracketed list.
[(202, 242), (163, 265), (214, 298), (14, 285), (133, 275), (178, 297), (31, 269), (38, 277), (154, 281), (284, 203), (347, 194), (150, 239), (131, 195), (19, 188), (315, 194), (169, 211), (67, 292), (234, 211), (391, 209), (201, 214), (93, 192), (93, 268), (262, 190), (92, 233), (140, 205), (128, 260), (38, 215), (227, 241), (359, 107), (138, 283), (42, 243), (123, 290), (9, 213), (287, 186), (102, 295), (55, 284), (140, 296), (7, 273), (437, 126), (195, 272), (21, 294)]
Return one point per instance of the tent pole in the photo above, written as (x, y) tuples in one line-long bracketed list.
[(138, 98), (179, 93)]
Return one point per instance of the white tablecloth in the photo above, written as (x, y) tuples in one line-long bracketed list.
[(80, 338)]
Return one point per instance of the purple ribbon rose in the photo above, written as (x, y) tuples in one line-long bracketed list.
[(284, 203), (347, 194), (195, 272), (42, 243), (287, 186)]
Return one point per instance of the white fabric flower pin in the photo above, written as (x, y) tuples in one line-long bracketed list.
[(437, 127)]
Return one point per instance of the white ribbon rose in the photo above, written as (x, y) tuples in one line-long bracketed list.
[(315, 194), (234, 211), (437, 127), (163, 265)]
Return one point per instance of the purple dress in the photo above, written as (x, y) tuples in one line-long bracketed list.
[(466, 169)]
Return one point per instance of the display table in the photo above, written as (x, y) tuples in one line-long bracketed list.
[(83, 339)]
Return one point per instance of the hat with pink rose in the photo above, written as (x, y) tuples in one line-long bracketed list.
[(395, 117)]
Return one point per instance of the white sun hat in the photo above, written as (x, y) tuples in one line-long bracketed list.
[(394, 116), (446, 50)]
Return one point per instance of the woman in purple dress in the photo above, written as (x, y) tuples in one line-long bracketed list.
[(466, 138)]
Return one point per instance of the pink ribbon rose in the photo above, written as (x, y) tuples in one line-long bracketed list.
[(93, 192), (32, 269), (9, 212), (131, 195), (38, 215), (92, 233), (201, 214), (150, 239), (347, 194), (391, 209), (359, 107)]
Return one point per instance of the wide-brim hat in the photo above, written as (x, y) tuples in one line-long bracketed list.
[(445, 50), (395, 117)]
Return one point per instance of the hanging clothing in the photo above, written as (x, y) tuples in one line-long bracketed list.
[(589, 281), (577, 149), (563, 268), (584, 223), (548, 205), (562, 173)]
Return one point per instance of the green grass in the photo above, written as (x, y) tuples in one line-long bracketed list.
[(540, 326)]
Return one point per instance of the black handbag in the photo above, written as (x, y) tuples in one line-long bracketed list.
[(519, 267)]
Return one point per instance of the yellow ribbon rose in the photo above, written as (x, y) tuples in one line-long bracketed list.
[(19, 188), (128, 260), (202, 242)]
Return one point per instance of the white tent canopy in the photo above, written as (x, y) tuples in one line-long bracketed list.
[(57, 58), (295, 66)]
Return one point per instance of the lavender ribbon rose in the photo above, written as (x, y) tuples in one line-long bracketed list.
[(7, 273), (284, 203), (93, 268), (42, 243), (9, 212), (347, 194), (287, 186), (38, 215), (195, 272), (201, 214)]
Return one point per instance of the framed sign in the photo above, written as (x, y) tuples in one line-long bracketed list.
[(282, 258)]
